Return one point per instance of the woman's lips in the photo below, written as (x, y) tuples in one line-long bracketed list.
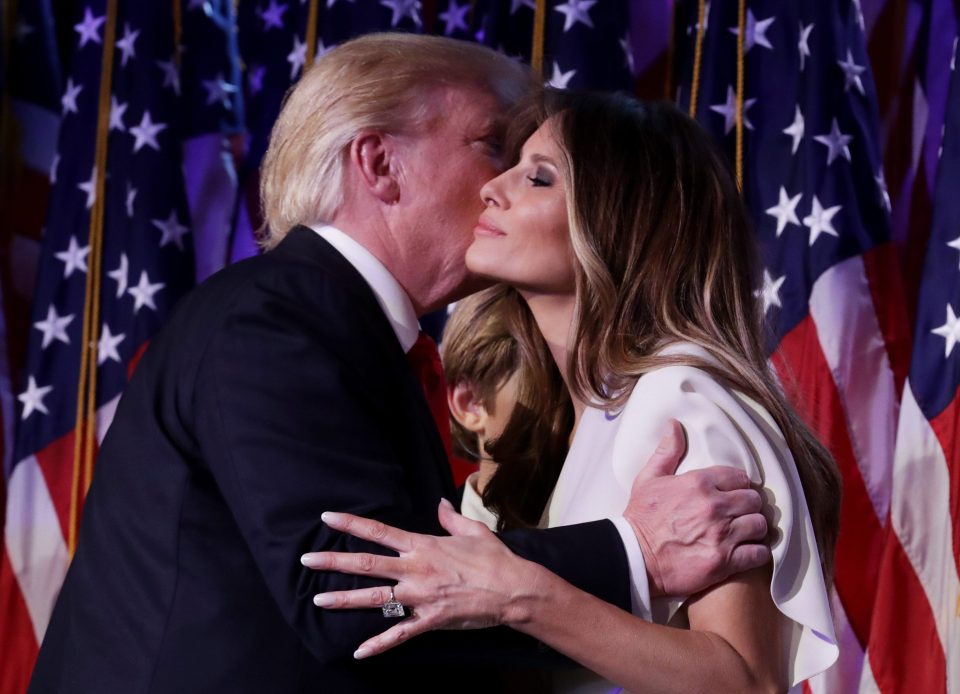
[(485, 228)]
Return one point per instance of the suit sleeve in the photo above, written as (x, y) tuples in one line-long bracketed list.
[(291, 425)]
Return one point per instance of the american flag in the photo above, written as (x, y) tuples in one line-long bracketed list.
[(147, 264), (813, 177), (915, 640)]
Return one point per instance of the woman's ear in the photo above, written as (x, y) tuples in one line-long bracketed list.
[(466, 408), (372, 156)]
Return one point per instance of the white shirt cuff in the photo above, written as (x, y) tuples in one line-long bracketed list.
[(639, 584)]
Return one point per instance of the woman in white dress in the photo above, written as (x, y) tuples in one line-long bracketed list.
[(623, 231)]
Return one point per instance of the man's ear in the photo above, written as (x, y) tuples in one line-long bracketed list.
[(466, 408), (372, 156)]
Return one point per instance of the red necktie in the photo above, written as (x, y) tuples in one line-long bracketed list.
[(424, 359)]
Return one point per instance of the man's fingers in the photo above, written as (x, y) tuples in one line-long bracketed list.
[(726, 478), (749, 528), (746, 557), (368, 529), (740, 502), (361, 598), (357, 563), (455, 524), (392, 637), (666, 458)]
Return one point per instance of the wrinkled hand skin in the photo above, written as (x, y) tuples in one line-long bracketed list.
[(695, 529)]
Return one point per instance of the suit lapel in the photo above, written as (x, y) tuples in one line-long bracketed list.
[(304, 243)]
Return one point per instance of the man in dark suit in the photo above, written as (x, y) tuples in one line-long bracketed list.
[(280, 389)]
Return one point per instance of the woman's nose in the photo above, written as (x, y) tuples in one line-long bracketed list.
[(491, 194)]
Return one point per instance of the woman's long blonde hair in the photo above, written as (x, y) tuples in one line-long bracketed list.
[(665, 253)]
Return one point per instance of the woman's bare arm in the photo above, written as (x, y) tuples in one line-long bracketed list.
[(471, 580)]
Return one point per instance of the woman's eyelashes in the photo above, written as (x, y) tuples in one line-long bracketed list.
[(540, 179)]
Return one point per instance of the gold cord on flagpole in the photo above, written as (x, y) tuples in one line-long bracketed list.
[(697, 57), (177, 30), (741, 23), (539, 27), (311, 38), (85, 426)]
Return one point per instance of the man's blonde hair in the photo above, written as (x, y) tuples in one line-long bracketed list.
[(375, 82)]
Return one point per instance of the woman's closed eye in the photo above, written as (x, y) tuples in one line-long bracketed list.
[(540, 179)]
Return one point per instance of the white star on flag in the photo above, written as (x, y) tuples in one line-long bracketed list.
[(950, 331), (401, 9), (143, 292), (517, 4), (574, 11), (220, 90), (297, 57), (32, 398), (255, 76), (882, 190), (851, 73), (90, 188), (54, 327), (131, 197), (756, 32), (171, 75), (859, 15), (74, 258), (455, 17), (116, 115), (121, 275), (323, 50), (819, 220), (785, 210), (69, 98), (126, 44), (107, 346), (89, 28), (770, 293), (628, 53), (804, 44), (146, 133), (53, 168), (22, 30), (729, 111), (795, 130), (272, 17), (955, 243), (560, 79), (171, 230), (835, 142)]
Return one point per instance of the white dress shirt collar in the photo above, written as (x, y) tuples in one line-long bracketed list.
[(393, 300)]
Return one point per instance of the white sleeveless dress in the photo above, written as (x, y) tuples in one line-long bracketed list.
[(723, 427)]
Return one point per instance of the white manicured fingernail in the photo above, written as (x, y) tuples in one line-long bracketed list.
[(361, 653), (322, 600), (329, 517), (444, 502)]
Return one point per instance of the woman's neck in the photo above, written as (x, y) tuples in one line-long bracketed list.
[(554, 316)]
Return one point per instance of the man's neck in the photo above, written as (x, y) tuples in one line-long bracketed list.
[(429, 286)]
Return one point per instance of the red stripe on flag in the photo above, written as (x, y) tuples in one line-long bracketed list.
[(905, 652), (56, 464), (881, 266), (16, 634), (809, 385), (946, 427)]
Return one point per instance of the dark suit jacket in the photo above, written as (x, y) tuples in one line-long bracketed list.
[(277, 391)]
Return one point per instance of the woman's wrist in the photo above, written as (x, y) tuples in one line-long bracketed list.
[(537, 591)]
